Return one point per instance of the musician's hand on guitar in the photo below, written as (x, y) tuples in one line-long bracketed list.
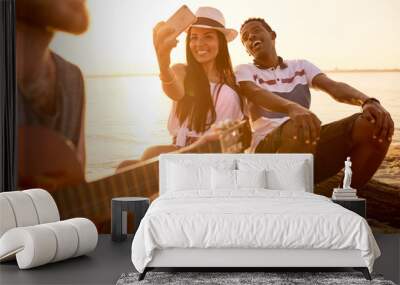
[(47, 160)]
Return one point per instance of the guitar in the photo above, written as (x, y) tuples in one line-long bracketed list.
[(93, 199), (46, 159)]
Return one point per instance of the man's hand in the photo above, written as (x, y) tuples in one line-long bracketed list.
[(376, 114), (307, 123)]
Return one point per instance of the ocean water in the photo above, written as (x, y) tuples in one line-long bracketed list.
[(125, 115)]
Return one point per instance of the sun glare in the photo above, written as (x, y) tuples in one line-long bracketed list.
[(333, 34)]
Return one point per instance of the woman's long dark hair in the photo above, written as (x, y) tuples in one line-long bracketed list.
[(198, 103)]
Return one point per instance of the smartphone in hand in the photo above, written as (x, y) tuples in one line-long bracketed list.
[(181, 20)]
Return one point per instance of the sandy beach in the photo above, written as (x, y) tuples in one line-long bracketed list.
[(389, 171)]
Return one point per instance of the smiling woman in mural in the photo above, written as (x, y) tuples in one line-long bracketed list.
[(203, 90)]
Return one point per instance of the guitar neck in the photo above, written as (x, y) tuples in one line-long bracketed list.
[(93, 199)]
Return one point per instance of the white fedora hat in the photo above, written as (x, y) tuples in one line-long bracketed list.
[(212, 18)]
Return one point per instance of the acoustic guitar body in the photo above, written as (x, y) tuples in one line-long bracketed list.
[(46, 160)]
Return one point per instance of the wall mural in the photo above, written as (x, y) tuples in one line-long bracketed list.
[(99, 97)]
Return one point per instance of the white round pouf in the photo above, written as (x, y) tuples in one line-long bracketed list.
[(45, 205), (23, 208), (7, 218), (33, 246), (31, 230), (67, 240), (87, 234)]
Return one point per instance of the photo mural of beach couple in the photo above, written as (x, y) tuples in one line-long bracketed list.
[(104, 87)]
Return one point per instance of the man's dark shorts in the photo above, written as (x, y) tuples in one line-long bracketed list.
[(332, 149)]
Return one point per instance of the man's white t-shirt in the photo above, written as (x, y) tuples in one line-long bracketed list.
[(291, 83)]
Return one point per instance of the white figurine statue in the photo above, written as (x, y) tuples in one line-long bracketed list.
[(347, 174)]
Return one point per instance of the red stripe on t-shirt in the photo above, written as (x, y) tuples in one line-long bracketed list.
[(284, 80), (269, 82), (297, 73)]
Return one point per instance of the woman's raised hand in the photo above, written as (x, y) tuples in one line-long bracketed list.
[(163, 43)]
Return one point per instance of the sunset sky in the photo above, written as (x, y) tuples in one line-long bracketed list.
[(357, 34)]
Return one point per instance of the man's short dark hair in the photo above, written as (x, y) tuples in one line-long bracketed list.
[(261, 20)]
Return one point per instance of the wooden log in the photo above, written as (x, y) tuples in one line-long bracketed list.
[(383, 200)]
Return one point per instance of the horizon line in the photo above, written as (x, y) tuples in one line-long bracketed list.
[(335, 70)]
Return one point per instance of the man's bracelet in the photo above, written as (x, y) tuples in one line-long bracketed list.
[(370, 100)]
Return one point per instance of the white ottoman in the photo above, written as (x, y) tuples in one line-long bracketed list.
[(31, 230)]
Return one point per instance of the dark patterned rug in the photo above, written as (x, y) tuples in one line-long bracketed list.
[(273, 278)]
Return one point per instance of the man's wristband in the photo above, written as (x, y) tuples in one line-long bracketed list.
[(370, 100)]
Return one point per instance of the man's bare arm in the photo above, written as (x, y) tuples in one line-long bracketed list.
[(307, 123), (265, 98), (372, 110), (340, 91)]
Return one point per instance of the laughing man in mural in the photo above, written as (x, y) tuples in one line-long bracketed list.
[(282, 119), (51, 99)]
